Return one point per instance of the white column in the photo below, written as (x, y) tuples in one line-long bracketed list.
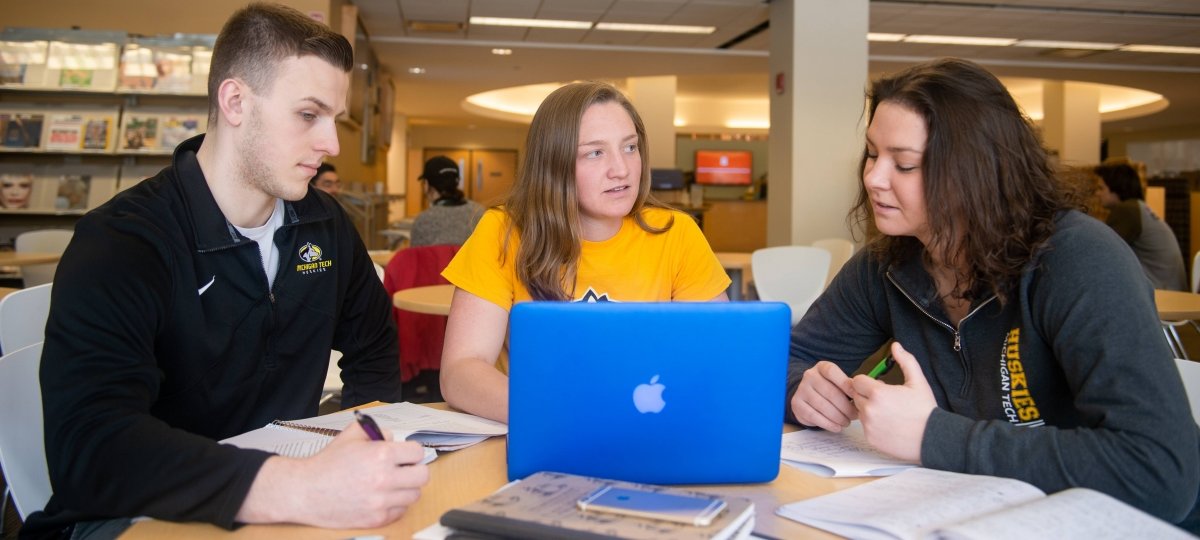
[(654, 98), (818, 73), (1071, 125), (397, 165)]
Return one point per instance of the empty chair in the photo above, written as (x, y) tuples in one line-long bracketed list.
[(23, 317), (41, 241), (840, 251), (1190, 372), (22, 447), (1196, 272), (792, 274)]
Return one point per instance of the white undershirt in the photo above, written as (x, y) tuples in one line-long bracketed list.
[(264, 235)]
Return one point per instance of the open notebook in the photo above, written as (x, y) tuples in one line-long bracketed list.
[(433, 428)]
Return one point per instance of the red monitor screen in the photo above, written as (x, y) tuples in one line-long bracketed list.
[(723, 167)]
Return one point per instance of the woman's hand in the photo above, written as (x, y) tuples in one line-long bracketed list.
[(823, 398), (894, 416)]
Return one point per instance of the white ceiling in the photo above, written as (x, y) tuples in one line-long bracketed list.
[(732, 61)]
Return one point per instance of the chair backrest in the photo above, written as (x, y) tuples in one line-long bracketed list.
[(1189, 371), (1196, 272), (792, 274), (41, 241), (840, 251), (421, 335), (23, 317), (22, 446)]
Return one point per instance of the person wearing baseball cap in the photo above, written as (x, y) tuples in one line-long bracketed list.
[(451, 217)]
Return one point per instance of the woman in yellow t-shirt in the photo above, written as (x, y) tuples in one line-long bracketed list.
[(579, 226)]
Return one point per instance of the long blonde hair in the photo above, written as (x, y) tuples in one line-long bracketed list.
[(543, 207)]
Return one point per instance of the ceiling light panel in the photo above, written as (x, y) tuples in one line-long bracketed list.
[(1051, 44), (662, 28), (959, 40), (532, 23), (1170, 49)]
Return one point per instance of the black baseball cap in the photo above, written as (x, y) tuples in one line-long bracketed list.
[(440, 168)]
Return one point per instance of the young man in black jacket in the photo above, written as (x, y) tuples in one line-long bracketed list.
[(204, 302)]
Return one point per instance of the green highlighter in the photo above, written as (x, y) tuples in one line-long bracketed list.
[(882, 367)]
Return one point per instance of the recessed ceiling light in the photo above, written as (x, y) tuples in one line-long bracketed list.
[(663, 28), (531, 23), (1160, 49), (878, 36), (502, 52), (960, 40), (416, 70), (1051, 44)]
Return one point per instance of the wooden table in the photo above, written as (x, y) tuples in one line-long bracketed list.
[(432, 299), (12, 258), (1176, 305), (738, 267), (458, 478), (381, 256)]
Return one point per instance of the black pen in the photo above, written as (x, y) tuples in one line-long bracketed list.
[(369, 426), (882, 367)]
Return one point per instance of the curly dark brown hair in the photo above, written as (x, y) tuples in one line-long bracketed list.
[(991, 191)]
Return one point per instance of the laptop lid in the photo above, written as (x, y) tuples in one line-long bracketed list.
[(664, 393)]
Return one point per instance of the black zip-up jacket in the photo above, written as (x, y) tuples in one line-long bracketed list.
[(164, 338), (1070, 383)]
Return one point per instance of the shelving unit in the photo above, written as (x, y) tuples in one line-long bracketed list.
[(85, 114)]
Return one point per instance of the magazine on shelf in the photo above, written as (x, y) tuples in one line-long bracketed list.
[(23, 63), (139, 132), (176, 128), (76, 131), (157, 69), (82, 66), (79, 187), (16, 186), (22, 129)]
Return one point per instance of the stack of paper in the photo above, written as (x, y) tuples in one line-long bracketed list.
[(925, 503), (838, 454)]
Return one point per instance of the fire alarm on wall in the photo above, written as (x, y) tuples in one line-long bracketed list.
[(780, 83)]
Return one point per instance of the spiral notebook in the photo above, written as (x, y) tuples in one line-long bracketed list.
[(433, 428)]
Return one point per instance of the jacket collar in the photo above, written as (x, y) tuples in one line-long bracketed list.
[(212, 230), (910, 276)]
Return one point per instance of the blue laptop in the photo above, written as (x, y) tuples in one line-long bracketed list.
[(663, 393)]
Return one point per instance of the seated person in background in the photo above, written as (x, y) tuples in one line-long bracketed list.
[(203, 303), (451, 216), (578, 226), (1025, 331), (1150, 237), (326, 180)]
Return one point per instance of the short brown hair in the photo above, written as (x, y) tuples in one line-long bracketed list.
[(259, 36)]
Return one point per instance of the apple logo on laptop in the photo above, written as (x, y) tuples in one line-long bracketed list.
[(648, 397)]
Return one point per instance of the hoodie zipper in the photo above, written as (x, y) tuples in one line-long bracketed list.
[(956, 331)]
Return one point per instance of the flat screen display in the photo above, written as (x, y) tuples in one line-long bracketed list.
[(666, 179), (723, 167)]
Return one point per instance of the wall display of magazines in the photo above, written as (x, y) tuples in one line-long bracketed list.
[(55, 188), (81, 60)]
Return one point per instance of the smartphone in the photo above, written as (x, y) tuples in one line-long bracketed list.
[(694, 510)]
